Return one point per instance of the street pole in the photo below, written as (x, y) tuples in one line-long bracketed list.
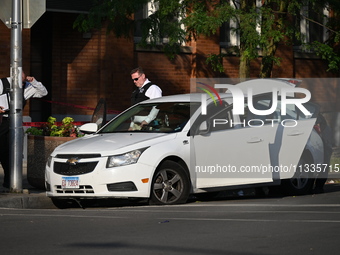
[(16, 102)]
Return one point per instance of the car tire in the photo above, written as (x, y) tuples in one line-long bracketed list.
[(301, 183), (170, 185)]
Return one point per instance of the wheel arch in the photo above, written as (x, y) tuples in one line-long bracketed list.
[(307, 155), (180, 161), (177, 160), (293, 186)]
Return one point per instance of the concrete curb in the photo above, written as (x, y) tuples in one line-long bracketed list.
[(31, 198), (26, 201)]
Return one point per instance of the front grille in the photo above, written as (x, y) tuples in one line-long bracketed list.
[(77, 169), (79, 156), (83, 189)]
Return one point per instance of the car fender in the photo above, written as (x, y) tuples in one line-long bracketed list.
[(177, 149), (315, 147)]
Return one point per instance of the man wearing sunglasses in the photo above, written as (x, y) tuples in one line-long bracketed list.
[(145, 88)]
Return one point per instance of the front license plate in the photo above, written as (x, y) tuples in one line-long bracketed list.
[(70, 183)]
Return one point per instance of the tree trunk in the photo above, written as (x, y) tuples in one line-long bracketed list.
[(267, 60), (268, 53), (244, 70)]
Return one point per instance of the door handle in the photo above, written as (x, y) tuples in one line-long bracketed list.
[(254, 140), (295, 133)]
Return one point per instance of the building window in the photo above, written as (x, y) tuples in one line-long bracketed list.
[(145, 12), (159, 29), (229, 32), (311, 21)]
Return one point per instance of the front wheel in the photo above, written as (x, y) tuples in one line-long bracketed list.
[(170, 185)]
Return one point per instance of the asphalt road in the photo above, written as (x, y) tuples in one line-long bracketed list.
[(234, 225)]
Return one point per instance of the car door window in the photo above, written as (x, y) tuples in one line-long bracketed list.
[(218, 117), (222, 120), (265, 103)]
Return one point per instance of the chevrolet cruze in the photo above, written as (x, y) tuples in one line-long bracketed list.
[(167, 148)]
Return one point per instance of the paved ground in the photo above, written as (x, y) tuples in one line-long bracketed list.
[(278, 225)]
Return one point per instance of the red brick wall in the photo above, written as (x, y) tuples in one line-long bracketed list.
[(312, 68), (75, 67), (231, 64), (172, 76), (286, 57), (324, 88), (85, 70), (5, 48), (203, 47)]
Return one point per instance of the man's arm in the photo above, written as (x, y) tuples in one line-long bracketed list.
[(35, 89), (144, 120)]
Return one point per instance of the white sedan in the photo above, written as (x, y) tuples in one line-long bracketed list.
[(167, 148)]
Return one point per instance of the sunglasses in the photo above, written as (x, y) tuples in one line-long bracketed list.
[(136, 79)]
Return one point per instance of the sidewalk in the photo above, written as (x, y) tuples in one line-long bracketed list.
[(31, 198)]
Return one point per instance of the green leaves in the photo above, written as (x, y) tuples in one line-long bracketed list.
[(216, 62), (118, 15), (326, 52), (50, 128)]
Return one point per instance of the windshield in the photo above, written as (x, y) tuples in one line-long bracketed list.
[(156, 117)]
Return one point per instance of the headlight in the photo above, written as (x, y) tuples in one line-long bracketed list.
[(128, 158), (49, 160)]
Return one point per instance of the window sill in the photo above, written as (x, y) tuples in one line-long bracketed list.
[(160, 48)]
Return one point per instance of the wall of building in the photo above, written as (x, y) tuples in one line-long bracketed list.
[(87, 69), (5, 48)]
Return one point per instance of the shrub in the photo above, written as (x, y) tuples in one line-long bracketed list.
[(50, 128)]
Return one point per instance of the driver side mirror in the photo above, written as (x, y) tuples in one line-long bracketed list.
[(89, 128), (203, 128)]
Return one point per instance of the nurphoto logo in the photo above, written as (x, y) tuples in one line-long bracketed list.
[(238, 102)]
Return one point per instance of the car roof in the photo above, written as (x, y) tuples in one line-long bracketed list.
[(259, 86), (191, 97)]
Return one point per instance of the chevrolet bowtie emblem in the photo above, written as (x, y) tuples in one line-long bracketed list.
[(72, 161)]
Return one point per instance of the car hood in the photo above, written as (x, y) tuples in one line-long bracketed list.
[(106, 144)]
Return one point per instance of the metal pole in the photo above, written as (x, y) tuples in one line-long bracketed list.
[(16, 94)]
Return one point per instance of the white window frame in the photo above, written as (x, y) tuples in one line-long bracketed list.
[(148, 9), (305, 27), (234, 38)]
